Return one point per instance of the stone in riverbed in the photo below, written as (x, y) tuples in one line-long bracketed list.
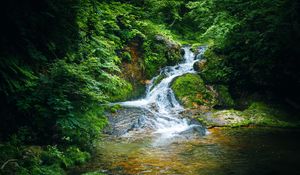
[(223, 118), (199, 65), (126, 119), (191, 91), (215, 118)]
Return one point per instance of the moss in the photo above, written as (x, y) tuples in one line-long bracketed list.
[(257, 114), (94, 173), (115, 108), (153, 63), (158, 80), (205, 122), (160, 50), (224, 97), (122, 91), (192, 92), (214, 70), (263, 114)]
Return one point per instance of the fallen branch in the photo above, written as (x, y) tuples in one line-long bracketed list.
[(5, 163)]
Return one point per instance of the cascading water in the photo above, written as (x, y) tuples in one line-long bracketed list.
[(160, 100)]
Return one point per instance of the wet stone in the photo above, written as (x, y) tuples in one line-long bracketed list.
[(126, 119)]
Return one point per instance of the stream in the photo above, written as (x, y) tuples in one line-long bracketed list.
[(153, 138)]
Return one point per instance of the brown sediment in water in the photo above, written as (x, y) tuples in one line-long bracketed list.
[(222, 151)]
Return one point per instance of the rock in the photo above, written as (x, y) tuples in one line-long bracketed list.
[(223, 96), (223, 118), (182, 52), (211, 119), (197, 50), (126, 119), (199, 65), (195, 130), (169, 43), (147, 82), (169, 48), (191, 91)]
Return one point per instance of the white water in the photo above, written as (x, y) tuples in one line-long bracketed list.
[(161, 102)]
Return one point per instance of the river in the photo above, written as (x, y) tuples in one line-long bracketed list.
[(163, 142)]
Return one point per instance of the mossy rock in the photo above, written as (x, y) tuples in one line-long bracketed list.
[(257, 114), (157, 80), (262, 114), (94, 173), (200, 65), (215, 71), (191, 91), (223, 96), (160, 51)]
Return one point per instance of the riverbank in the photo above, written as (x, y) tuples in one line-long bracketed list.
[(257, 114)]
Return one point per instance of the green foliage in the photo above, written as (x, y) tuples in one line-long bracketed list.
[(158, 79), (215, 71), (71, 156), (59, 61), (126, 57), (115, 108), (82, 129), (257, 41), (224, 97), (35, 160), (159, 48), (53, 84), (191, 91), (153, 63), (255, 49), (94, 173), (166, 11)]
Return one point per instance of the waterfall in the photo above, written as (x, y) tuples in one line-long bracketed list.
[(160, 100)]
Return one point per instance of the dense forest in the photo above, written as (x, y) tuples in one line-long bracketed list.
[(62, 62)]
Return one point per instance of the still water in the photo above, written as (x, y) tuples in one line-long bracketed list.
[(222, 151)]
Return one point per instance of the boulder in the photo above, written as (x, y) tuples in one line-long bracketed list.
[(126, 119), (191, 92), (169, 43), (199, 65), (220, 118)]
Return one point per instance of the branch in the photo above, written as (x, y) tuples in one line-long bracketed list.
[(5, 163)]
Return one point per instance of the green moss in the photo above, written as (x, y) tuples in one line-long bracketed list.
[(153, 63), (257, 114), (158, 80), (224, 97), (192, 92), (122, 91), (214, 70), (115, 108), (160, 49), (205, 122), (159, 54), (94, 173)]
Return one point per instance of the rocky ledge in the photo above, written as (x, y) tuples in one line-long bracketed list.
[(126, 119), (257, 114)]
